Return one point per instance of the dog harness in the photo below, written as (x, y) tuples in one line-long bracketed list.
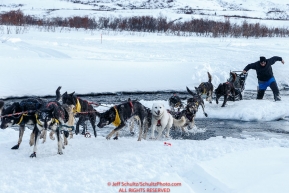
[(77, 107), (37, 120), (21, 118), (117, 120), (39, 123), (131, 106)]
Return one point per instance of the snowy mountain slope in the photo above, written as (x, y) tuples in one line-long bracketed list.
[(186, 8)]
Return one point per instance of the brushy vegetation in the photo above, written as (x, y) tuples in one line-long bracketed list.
[(160, 24)]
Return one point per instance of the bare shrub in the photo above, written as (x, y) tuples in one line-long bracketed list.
[(160, 24)]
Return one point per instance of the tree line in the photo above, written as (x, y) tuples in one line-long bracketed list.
[(160, 24)]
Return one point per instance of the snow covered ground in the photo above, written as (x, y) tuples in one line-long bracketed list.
[(37, 62)]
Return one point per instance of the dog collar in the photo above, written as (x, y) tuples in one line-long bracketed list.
[(159, 123), (117, 120)]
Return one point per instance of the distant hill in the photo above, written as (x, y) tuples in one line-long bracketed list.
[(257, 9)]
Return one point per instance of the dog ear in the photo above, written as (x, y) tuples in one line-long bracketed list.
[(64, 95), (71, 94)]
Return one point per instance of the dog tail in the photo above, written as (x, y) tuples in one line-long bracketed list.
[(179, 122), (210, 77), (1, 106), (234, 76), (191, 92), (58, 95)]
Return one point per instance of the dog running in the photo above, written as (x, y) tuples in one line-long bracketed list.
[(196, 101), (226, 89), (191, 109), (206, 88), (119, 114), (175, 102), (163, 120), (21, 113), (82, 109), (51, 116)]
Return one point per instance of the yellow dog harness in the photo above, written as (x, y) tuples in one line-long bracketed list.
[(39, 123), (77, 107), (21, 118), (117, 120)]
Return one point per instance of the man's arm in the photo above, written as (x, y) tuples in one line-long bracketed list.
[(275, 59), (249, 66)]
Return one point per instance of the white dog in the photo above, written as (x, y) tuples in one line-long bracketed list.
[(164, 120)]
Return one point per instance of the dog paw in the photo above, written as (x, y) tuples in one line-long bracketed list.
[(33, 155), (15, 146), (115, 138), (206, 114), (132, 133), (60, 153), (76, 132)]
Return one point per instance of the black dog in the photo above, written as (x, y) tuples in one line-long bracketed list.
[(119, 114), (175, 102), (195, 101), (51, 116), (206, 88), (22, 113), (190, 110), (225, 89), (189, 113), (82, 109)]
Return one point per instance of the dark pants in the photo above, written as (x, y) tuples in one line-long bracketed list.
[(273, 87)]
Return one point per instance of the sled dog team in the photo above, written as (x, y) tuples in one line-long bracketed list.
[(59, 118)]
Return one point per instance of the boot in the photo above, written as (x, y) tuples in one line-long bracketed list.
[(277, 97)]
